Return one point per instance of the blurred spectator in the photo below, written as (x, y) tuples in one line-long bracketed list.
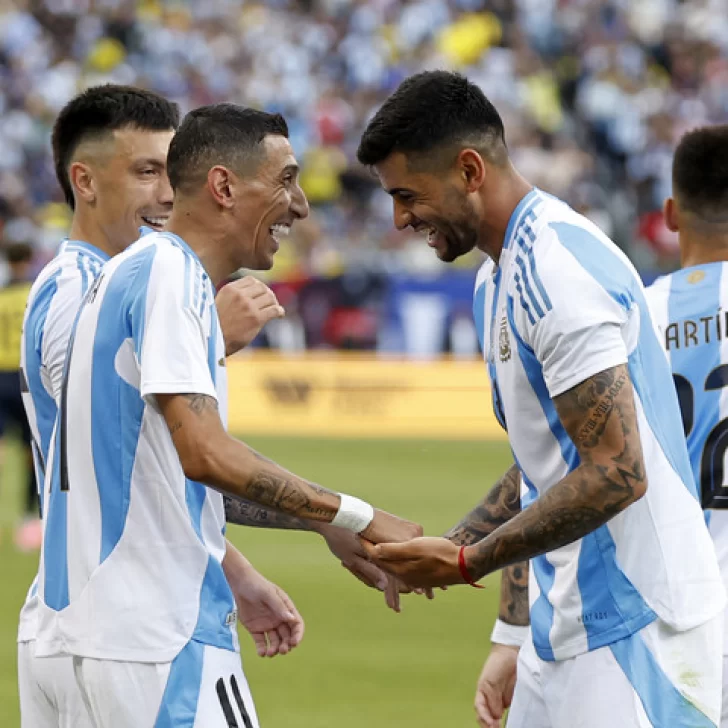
[(594, 94)]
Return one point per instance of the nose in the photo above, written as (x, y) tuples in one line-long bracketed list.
[(165, 195), (402, 216), (299, 203)]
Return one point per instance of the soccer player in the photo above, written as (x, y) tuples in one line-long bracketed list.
[(110, 145), (627, 617), (131, 581), (689, 308), (13, 298)]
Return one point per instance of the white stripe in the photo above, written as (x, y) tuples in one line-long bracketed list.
[(566, 595)]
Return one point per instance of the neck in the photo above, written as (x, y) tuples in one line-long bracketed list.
[(509, 189), (694, 251), (86, 228), (205, 237)]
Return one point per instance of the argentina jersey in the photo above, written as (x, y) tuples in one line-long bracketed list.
[(131, 564), (52, 305), (563, 305), (690, 309)]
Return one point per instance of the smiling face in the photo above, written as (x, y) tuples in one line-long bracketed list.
[(438, 205), (271, 200), (124, 179)]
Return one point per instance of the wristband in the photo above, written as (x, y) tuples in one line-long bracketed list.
[(511, 635), (353, 514), (464, 570)]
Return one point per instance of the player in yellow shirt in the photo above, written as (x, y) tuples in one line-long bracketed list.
[(13, 298)]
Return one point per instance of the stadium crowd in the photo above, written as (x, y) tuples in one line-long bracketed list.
[(594, 94)]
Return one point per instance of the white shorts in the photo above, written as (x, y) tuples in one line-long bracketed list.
[(203, 687), (657, 678), (49, 695)]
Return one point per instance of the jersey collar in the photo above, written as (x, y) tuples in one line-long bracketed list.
[(84, 247)]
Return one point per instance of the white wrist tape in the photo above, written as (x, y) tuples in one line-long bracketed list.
[(354, 514), (508, 634)]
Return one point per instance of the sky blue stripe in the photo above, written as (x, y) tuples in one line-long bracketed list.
[(116, 407), (534, 373), (534, 271), (527, 203), (691, 301), (542, 611), (84, 274), (648, 368), (529, 290), (55, 541), (525, 305), (182, 692), (44, 404), (664, 704), (611, 606), (479, 314)]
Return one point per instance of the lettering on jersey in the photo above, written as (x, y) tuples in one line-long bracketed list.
[(589, 617), (694, 332), (504, 342), (231, 618)]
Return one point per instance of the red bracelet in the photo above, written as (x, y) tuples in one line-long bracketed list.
[(464, 569)]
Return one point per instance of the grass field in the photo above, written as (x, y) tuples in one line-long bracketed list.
[(359, 664)]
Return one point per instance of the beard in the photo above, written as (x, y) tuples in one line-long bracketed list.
[(459, 231)]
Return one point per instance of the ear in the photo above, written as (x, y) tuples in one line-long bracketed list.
[(220, 182), (82, 182), (670, 213), (472, 169)]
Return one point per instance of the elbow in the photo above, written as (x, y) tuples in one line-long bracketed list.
[(639, 489), (198, 464)]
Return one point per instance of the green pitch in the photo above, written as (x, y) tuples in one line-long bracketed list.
[(359, 665)]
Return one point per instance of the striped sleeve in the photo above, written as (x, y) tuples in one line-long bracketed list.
[(574, 326), (169, 332)]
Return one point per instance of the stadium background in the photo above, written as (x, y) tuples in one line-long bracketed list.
[(372, 383)]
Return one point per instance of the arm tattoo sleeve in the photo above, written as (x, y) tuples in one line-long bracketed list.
[(501, 504), (599, 416), (245, 513), (514, 608)]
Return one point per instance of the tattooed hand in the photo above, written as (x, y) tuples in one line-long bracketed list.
[(599, 416)]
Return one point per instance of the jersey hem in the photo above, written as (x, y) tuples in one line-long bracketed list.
[(602, 639)]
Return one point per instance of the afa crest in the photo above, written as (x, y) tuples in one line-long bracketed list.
[(504, 342)]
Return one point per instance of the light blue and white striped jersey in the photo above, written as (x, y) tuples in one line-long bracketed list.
[(563, 305), (52, 306), (131, 564), (690, 309)]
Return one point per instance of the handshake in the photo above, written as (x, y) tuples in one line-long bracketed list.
[(392, 555)]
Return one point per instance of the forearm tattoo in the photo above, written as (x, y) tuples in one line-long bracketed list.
[(514, 608), (599, 416), (500, 505), (244, 513)]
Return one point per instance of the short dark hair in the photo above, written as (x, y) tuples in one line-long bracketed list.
[(428, 112), (225, 134), (102, 110), (700, 173)]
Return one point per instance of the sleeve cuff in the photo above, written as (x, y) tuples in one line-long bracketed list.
[(510, 635)]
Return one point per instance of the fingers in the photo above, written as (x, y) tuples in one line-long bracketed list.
[(274, 643), (284, 633), (261, 643), (367, 572), (391, 594), (296, 622), (488, 716)]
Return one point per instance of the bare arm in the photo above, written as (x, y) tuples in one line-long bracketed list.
[(209, 455), (514, 595), (599, 416), (245, 513), (501, 504)]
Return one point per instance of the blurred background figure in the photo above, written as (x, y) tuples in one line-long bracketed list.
[(594, 93), (13, 297)]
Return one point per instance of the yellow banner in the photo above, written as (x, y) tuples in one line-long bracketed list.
[(348, 395)]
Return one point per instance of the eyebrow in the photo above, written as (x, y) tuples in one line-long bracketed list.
[(149, 162)]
